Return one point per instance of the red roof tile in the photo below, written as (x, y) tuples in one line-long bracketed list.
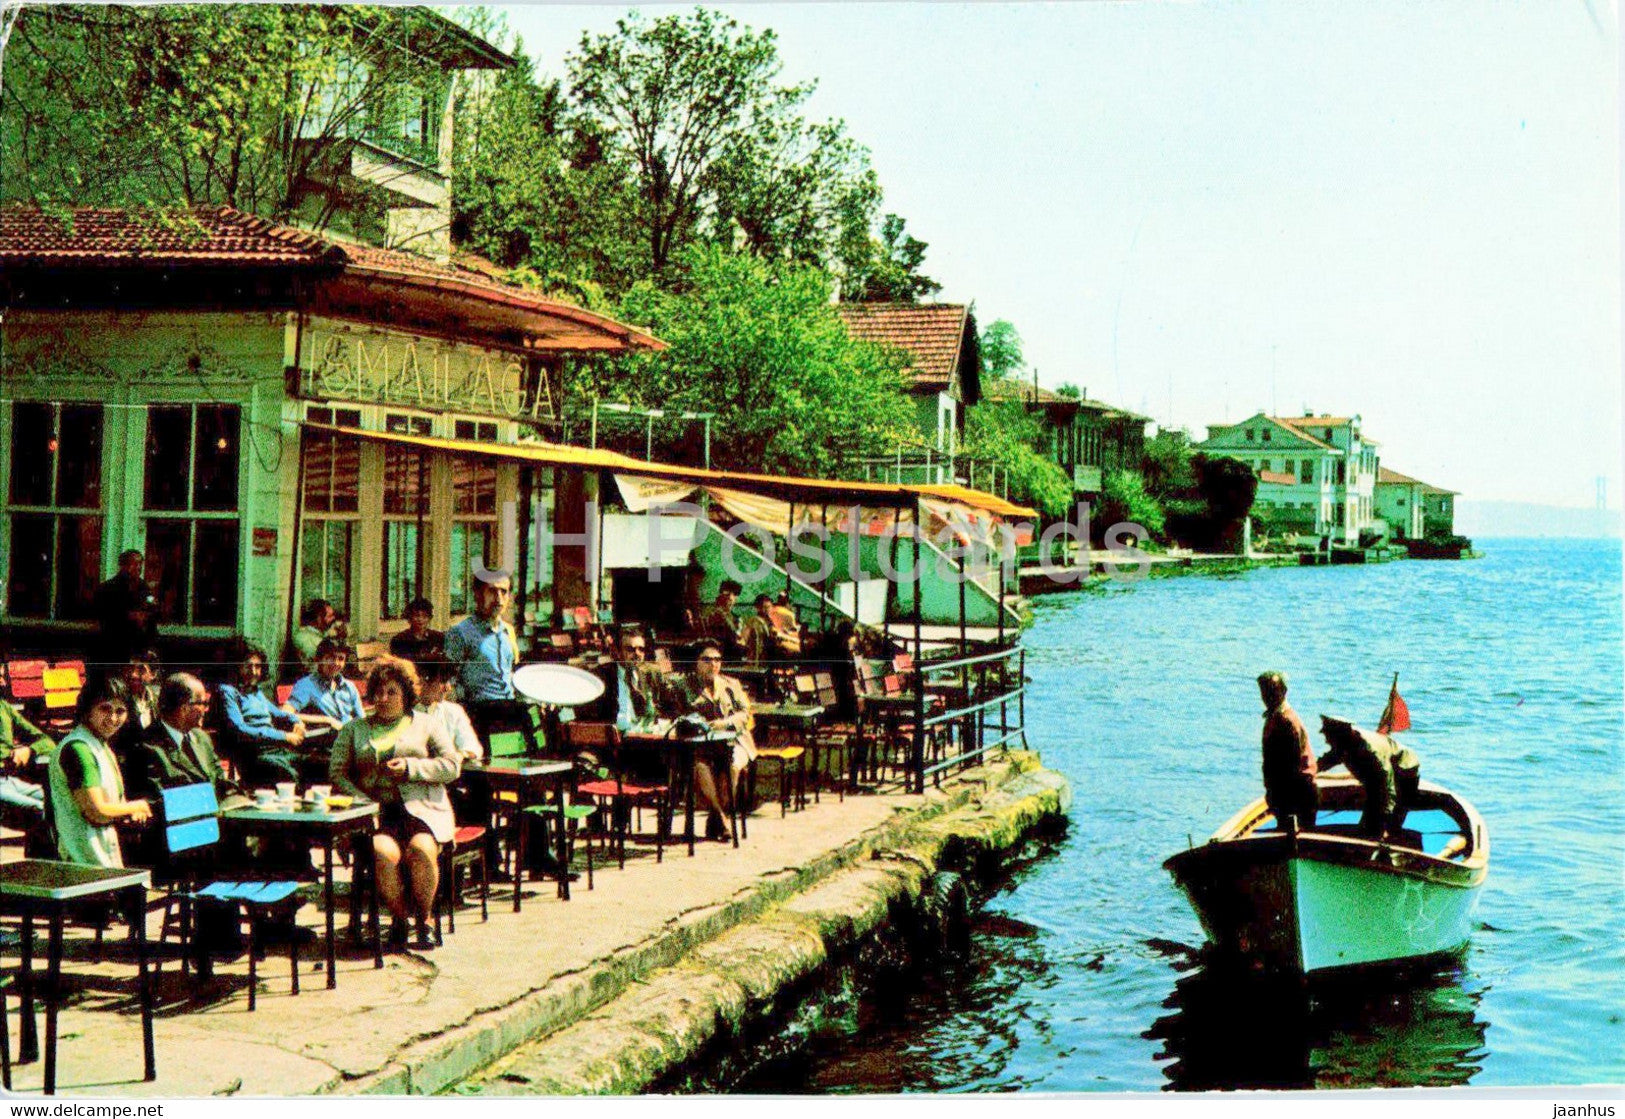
[(120, 237), (931, 333), (223, 237)]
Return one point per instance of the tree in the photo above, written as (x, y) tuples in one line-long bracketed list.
[(535, 191), (759, 344), (884, 269), (235, 104), (675, 98), (1068, 391), (1001, 350), (1005, 434), (1123, 498)]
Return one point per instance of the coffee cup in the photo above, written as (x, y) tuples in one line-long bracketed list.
[(285, 791), (264, 798)]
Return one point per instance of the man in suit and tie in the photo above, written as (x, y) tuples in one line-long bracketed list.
[(633, 689), (175, 749)]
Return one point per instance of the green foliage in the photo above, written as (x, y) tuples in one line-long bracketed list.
[(195, 104), (1167, 466), (884, 269), (1007, 435), (1001, 350), (1069, 391), (1124, 498), (759, 343), (1205, 499), (713, 143)]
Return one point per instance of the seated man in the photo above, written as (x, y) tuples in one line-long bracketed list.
[(418, 641), (325, 696), (717, 622), (22, 802), (1387, 771)]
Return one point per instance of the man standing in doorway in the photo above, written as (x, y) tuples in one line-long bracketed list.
[(485, 649), (124, 612)]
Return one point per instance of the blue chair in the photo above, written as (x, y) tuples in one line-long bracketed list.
[(191, 826)]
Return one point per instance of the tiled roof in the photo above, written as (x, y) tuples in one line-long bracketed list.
[(1296, 433), (219, 235), (1312, 421), (1386, 477), (1277, 478), (931, 333), (1005, 388), (224, 237)]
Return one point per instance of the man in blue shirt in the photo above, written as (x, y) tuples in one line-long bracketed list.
[(325, 695), (485, 649)]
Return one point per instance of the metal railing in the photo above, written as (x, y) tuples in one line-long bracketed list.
[(983, 709)]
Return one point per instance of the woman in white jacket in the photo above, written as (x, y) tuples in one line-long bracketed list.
[(403, 759)]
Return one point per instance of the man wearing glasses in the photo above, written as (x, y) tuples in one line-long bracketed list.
[(633, 690)]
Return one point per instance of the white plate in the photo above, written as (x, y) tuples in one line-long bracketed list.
[(560, 685)]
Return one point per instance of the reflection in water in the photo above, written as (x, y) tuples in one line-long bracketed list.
[(1232, 1029)]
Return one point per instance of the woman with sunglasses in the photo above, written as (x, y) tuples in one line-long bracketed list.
[(721, 701)]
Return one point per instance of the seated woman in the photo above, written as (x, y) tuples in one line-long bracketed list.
[(87, 789), (260, 736), (435, 676), (721, 701), (325, 696), (404, 760), (136, 684)]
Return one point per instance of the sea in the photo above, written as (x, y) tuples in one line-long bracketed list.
[(1084, 970)]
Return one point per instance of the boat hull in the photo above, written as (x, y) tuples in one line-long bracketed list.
[(1329, 898), (1291, 909)]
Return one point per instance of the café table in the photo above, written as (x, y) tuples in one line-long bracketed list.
[(528, 779), (800, 719), (681, 754), (324, 826), (42, 888)]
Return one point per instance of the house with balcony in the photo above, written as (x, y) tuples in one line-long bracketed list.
[(1085, 437), (1317, 474), (374, 158), (944, 371)]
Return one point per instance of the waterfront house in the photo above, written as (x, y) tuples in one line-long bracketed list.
[(1439, 516), (944, 364), (1084, 437), (1317, 473), (1401, 502)]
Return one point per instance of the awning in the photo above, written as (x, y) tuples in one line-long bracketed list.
[(802, 491), (766, 500)]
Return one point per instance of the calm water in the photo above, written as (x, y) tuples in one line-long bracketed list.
[(1080, 976)]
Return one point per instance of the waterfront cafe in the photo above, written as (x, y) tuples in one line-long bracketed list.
[(271, 416)]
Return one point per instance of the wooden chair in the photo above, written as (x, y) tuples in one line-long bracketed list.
[(609, 787), (465, 851)]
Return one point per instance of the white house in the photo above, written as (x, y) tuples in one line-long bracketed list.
[(1316, 474)]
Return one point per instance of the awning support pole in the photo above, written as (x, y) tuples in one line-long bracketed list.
[(298, 553)]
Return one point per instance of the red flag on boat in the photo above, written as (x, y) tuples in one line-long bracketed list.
[(1396, 716)]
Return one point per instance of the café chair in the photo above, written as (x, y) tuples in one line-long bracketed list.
[(191, 815), (458, 858)]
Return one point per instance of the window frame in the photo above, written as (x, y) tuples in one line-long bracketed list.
[(55, 513), (193, 516)]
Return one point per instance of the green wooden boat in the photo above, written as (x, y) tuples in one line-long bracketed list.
[(1327, 898)]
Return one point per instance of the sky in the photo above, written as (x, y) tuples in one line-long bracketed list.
[(1404, 211)]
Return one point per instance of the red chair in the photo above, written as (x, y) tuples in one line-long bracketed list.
[(466, 849), (284, 692), (611, 789), (27, 679)]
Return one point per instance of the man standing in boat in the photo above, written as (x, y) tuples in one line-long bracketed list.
[(1289, 760), (1387, 771)]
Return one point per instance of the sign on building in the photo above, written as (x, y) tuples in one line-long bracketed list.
[(343, 362)]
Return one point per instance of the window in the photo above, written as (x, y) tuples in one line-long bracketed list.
[(55, 502), (1308, 468), (403, 424), (473, 528), (1266, 435), (470, 429), (406, 503), (1249, 435), (332, 466), (191, 497)]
